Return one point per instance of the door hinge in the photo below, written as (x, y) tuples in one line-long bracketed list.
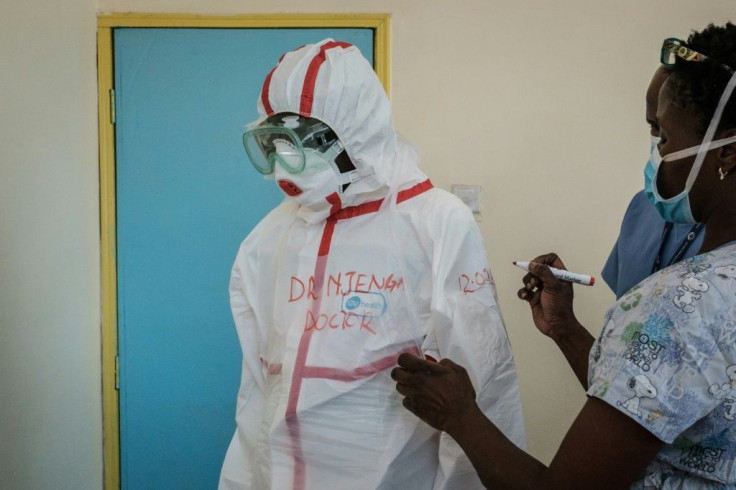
[(117, 373), (112, 106)]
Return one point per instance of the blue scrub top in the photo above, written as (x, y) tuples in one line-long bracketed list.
[(638, 242)]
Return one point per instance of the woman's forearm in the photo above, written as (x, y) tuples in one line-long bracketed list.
[(575, 343), (498, 462)]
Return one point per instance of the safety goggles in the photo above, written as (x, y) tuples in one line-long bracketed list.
[(673, 48), (284, 138)]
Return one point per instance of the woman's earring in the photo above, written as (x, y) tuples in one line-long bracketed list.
[(721, 173)]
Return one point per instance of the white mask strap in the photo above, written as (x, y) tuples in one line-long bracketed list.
[(347, 177), (670, 157)]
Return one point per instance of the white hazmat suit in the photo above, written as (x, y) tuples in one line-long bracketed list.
[(325, 298)]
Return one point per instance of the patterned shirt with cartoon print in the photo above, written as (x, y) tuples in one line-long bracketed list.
[(666, 357)]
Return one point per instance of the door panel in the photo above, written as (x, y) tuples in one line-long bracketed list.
[(186, 197)]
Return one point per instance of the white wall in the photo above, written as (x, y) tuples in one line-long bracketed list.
[(50, 403), (539, 102)]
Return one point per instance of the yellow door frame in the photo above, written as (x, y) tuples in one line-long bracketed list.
[(105, 77)]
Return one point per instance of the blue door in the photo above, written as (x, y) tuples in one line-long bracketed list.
[(186, 197)]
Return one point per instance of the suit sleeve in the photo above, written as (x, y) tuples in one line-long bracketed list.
[(467, 327), (237, 469)]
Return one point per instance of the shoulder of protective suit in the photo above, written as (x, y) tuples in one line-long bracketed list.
[(438, 210), (445, 203), (275, 222)]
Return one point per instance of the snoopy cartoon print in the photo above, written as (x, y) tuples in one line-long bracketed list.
[(727, 392), (726, 271), (688, 292), (642, 388)]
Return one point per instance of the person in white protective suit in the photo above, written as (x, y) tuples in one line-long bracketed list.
[(362, 261)]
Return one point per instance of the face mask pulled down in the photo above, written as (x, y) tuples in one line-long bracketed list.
[(677, 208)]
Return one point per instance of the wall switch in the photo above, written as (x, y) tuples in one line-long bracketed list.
[(470, 195)]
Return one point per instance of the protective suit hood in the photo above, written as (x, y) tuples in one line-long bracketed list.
[(333, 82)]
